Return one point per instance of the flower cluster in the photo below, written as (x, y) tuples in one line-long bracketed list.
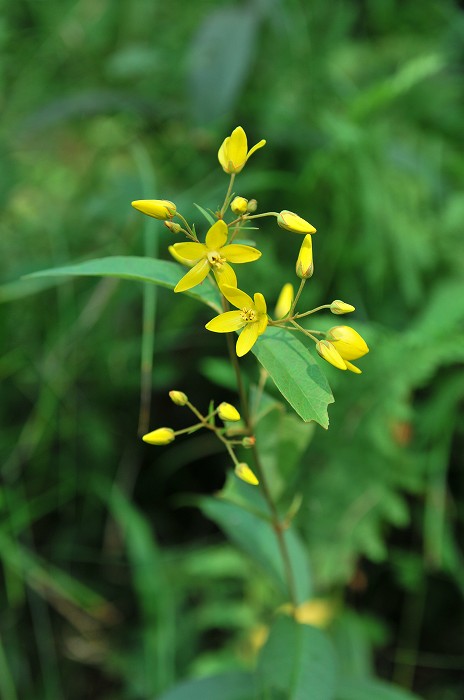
[(215, 257)]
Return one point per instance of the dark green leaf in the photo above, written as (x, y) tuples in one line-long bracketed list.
[(227, 686), (295, 373), (297, 663), (162, 272), (370, 689)]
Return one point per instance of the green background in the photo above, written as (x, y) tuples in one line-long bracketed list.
[(114, 583)]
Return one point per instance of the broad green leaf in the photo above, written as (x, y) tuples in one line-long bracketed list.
[(218, 68), (162, 272), (297, 663), (255, 536), (370, 689), (227, 686), (296, 374)]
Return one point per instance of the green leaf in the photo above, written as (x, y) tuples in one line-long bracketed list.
[(295, 373), (218, 69), (162, 272), (255, 536), (227, 686), (297, 663), (368, 689), (209, 217)]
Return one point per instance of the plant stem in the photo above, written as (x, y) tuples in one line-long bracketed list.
[(229, 190), (277, 524), (298, 294)]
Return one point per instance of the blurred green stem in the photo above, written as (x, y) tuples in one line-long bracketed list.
[(277, 524)]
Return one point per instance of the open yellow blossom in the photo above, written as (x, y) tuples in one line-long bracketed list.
[(285, 301), (252, 317), (213, 255), (292, 222), (157, 208), (234, 152)]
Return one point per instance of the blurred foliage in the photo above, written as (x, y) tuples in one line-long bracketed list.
[(114, 585)]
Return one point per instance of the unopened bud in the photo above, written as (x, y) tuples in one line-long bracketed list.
[(249, 441), (178, 397), (292, 222), (328, 352), (348, 342), (339, 307), (173, 227), (304, 267), (252, 206), (160, 436), (285, 301), (227, 412), (244, 473), (157, 208), (239, 205)]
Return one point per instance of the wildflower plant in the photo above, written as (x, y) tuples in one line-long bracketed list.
[(214, 266)]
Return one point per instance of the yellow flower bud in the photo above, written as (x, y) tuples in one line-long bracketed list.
[(292, 222), (244, 473), (239, 205), (178, 397), (157, 208), (348, 342), (304, 265), (160, 436), (252, 206), (228, 412), (249, 441), (285, 301), (174, 228), (339, 307), (327, 351), (234, 152)]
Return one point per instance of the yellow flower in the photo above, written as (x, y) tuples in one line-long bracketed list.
[(327, 351), (160, 436), (178, 397), (285, 301), (228, 412), (304, 265), (239, 205), (252, 317), (157, 208), (244, 473), (292, 222), (234, 152), (348, 342), (213, 255), (339, 307)]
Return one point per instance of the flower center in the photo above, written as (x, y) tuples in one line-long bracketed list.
[(248, 314), (215, 259)]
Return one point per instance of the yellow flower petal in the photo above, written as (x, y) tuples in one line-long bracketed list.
[(327, 351), (260, 144), (237, 148), (226, 322), (225, 275), (260, 303), (244, 473), (348, 342), (285, 301), (190, 251), (247, 339), (222, 154), (217, 235), (193, 277), (352, 368), (239, 253), (262, 324), (179, 258), (237, 297)]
